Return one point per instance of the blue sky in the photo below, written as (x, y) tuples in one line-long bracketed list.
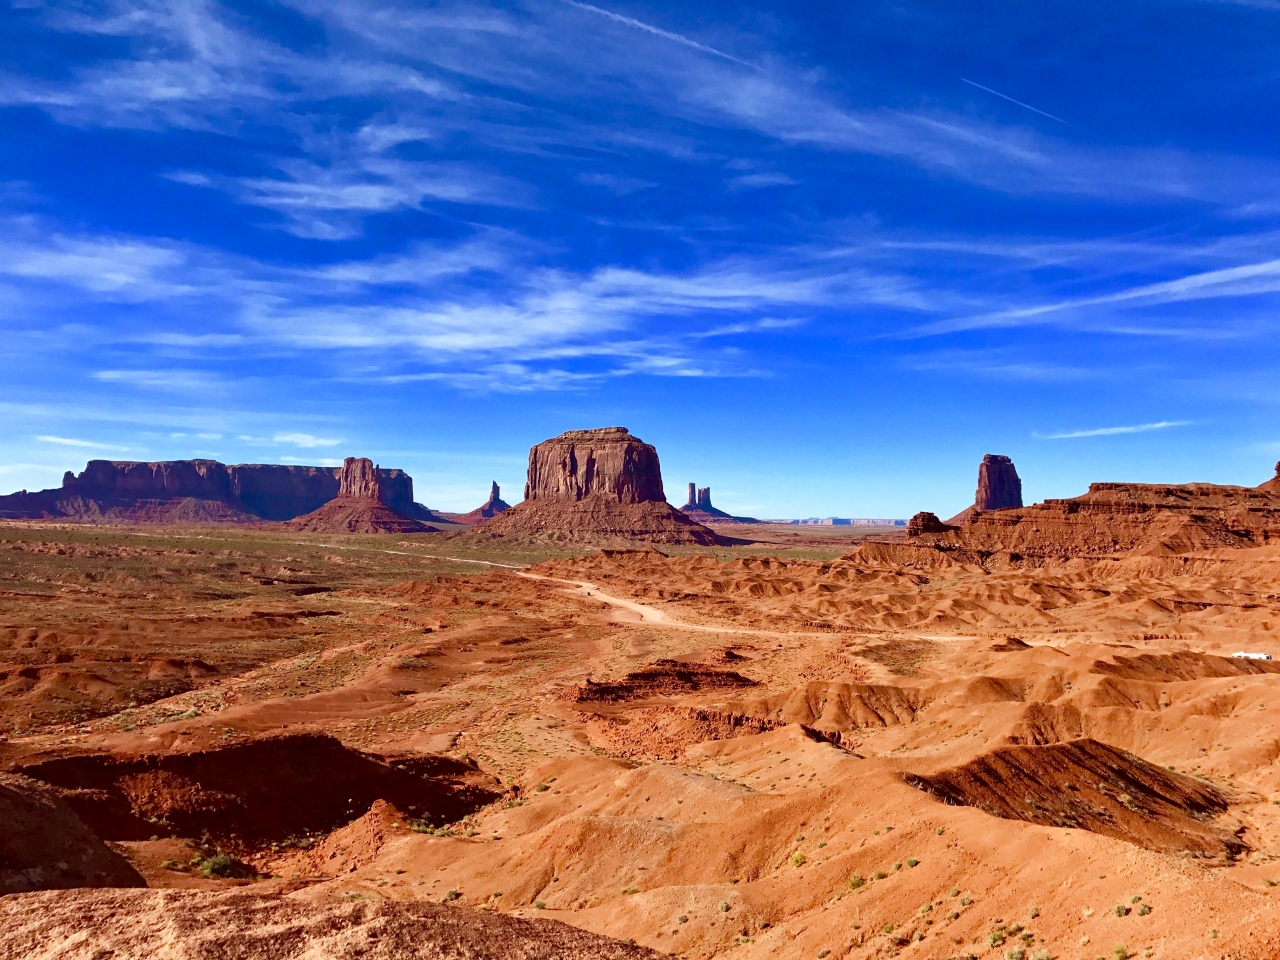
[(824, 256)]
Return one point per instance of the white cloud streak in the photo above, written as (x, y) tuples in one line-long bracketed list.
[(1113, 431)]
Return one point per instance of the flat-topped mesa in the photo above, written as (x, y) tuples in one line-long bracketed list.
[(607, 462), (999, 487), (594, 484)]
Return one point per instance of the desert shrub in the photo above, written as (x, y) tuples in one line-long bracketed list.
[(539, 904), (1120, 952), (541, 788), (953, 915), (1042, 955), (856, 881), (1017, 953), (1135, 899), (1035, 912), (222, 865), (1144, 910), (955, 891), (912, 861), (630, 890), (997, 937), (926, 908), (452, 895), (682, 918), (965, 901), (1121, 910), (724, 907), (880, 874), (797, 859)]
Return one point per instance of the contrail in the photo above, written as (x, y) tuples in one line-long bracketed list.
[(996, 93), (657, 31)]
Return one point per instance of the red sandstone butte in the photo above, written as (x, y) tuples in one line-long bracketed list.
[(588, 484), (360, 506)]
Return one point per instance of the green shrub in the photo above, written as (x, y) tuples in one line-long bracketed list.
[(912, 861), (539, 904), (541, 788), (797, 859), (880, 874), (452, 895)]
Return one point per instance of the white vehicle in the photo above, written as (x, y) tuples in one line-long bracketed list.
[(1245, 655)]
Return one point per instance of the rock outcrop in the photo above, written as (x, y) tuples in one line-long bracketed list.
[(491, 508), (178, 491), (45, 846), (1272, 485), (592, 484), (700, 508), (999, 487), (360, 506), (925, 522)]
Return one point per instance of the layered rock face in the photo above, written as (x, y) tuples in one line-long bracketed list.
[(198, 491), (1137, 519), (491, 508), (999, 487), (588, 484), (607, 462), (361, 505)]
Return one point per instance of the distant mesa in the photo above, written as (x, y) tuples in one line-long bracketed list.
[(699, 508), (589, 484), (361, 505), (999, 488), (843, 522), (491, 508), (198, 491)]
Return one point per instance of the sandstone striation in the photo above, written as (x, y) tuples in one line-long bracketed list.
[(588, 484), (491, 508), (198, 491), (360, 506)]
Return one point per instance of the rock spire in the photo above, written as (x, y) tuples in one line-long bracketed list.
[(999, 487)]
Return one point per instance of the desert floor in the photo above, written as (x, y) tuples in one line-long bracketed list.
[(762, 750)]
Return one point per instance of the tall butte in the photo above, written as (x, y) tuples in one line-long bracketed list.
[(360, 506), (490, 508), (999, 488), (593, 484)]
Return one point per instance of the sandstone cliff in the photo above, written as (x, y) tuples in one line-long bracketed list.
[(999, 488), (177, 491), (490, 508), (589, 484), (1136, 519), (360, 506)]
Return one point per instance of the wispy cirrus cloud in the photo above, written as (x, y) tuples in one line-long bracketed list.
[(1113, 431), (75, 442)]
